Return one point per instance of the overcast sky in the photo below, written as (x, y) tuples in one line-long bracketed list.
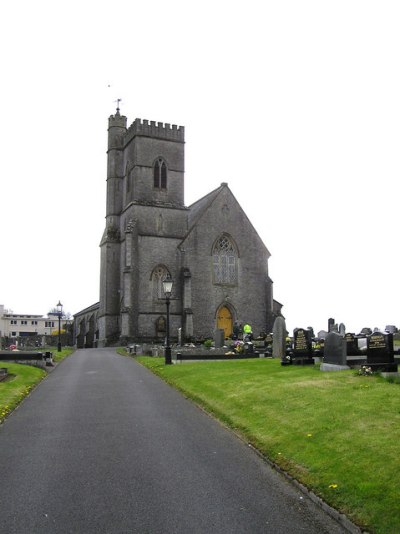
[(295, 104)]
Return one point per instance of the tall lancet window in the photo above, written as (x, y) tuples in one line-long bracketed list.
[(160, 174), (157, 276), (225, 261)]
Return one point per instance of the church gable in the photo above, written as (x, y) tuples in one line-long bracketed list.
[(219, 212)]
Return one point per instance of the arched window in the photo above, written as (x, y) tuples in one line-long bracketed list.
[(160, 174), (225, 261), (157, 276)]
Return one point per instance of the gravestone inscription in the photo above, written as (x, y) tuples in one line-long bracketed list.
[(302, 346), (380, 355)]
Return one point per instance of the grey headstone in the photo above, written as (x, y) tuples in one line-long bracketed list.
[(279, 338), (342, 329), (179, 336), (335, 349), (219, 338), (322, 334)]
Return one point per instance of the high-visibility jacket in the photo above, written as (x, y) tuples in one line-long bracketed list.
[(247, 329)]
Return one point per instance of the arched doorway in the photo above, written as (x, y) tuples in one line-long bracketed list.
[(224, 320)]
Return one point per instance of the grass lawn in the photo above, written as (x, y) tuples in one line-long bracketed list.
[(336, 432), (22, 378)]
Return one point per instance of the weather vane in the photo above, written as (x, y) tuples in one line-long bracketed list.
[(118, 101)]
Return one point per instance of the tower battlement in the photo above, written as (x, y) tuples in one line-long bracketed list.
[(155, 129)]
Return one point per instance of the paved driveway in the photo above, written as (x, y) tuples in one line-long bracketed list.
[(104, 446)]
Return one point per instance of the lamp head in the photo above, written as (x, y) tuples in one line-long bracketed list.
[(59, 307), (167, 286)]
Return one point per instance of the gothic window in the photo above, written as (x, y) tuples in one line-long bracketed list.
[(225, 261), (160, 174), (158, 275)]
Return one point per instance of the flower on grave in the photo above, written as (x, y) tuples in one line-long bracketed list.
[(309, 435), (238, 346), (365, 371), (333, 486)]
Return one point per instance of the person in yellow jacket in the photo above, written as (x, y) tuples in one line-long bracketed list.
[(247, 331)]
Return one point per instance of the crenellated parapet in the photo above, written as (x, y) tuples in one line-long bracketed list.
[(155, 129)]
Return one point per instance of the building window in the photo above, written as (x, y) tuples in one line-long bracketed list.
[(13, 321), (225, 261), (49, 324), (33, 322), (24, 322), (160, 174), (157, 277)]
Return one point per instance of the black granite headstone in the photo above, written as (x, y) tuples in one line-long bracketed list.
[(352, 345), (380, 356), (302, 346)]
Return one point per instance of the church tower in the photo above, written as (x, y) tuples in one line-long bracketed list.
[(145, 221)]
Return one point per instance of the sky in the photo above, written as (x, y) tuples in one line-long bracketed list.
[(295, 104)]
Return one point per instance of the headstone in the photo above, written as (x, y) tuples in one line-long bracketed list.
[(219, 338), (322, 334), (334, 353), (302, 347), (342, 329), (180, 337), (278, 339), (380, 356), (351, 344), (366, 331), (331, 322), (268, 341)]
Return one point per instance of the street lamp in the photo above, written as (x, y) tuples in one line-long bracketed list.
[(59, 313), (167, 287)]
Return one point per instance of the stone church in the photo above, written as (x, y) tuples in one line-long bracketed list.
[(211, 251)]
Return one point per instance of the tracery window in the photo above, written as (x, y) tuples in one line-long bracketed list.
[(158, 275), (160, 174), (225, 261)]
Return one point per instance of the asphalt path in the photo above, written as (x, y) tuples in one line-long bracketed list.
[(104, 446)]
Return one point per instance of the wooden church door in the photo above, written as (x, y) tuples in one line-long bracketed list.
[(224, 320)]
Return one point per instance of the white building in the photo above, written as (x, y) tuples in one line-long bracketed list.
[(13, 325)]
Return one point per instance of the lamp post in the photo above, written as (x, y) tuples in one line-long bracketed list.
[(59, 313), (167, 287)]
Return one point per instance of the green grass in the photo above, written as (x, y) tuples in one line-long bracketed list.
[(338, 433), (21, 380), (58, 356)]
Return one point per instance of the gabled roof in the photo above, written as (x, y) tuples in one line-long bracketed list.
[(199, 208)]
